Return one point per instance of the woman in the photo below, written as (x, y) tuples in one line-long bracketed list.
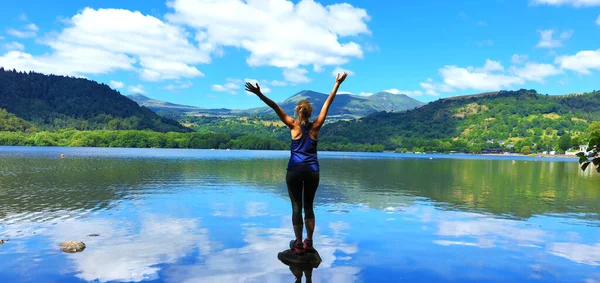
[(302, 176)]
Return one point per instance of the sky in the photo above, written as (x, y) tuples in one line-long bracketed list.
[(200, 52)]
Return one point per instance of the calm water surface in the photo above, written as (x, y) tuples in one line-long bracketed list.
[(222, 216)]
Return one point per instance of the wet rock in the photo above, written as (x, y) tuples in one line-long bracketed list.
[(1, 242), (289, 257), (72, 247), (93, 235)]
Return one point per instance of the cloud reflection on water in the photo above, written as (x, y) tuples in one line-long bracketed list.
[(580, 253), (257, 260), (122, 254)]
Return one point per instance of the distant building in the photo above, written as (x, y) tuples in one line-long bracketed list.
[(582, 148), (501, 142), (509, 146), (496, 150), (490, 141)]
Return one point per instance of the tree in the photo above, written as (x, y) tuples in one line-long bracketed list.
[(564, 142), (526, 150)]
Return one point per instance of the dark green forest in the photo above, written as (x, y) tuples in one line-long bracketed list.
[(51, 102)]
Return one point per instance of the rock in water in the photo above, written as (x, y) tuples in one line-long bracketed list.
[(289, 257), (1, 242), (72, 247)]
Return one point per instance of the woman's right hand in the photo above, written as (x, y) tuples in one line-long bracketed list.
[(253, 89), (340, 79)]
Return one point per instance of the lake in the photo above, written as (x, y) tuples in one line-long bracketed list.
[(167, 215)]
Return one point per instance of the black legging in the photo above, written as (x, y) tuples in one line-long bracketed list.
[(297, 183)]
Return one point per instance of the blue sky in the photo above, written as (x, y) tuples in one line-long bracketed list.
[(199, 52)]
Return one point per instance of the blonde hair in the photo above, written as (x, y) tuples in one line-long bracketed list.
[(303, 112)]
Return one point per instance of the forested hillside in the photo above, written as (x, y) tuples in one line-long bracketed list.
[(471, 123), (52, 102)]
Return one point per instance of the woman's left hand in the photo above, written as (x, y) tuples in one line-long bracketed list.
[(253, 89)]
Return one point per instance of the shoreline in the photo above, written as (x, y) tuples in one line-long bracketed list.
[(532, 155), (557, 156)]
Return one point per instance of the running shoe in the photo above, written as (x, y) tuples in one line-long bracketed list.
[(308, 245), (298, 248)]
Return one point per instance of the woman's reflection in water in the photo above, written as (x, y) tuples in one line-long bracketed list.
[(302, 269)]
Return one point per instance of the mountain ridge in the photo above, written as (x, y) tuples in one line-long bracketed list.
[(345, 105)]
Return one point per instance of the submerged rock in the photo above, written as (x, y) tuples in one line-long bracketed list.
[(289, 257), (72, 247)]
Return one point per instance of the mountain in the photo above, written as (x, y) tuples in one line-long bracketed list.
[(344, 106), (521, 118), (169, 109), (52, 102), (347, 105)]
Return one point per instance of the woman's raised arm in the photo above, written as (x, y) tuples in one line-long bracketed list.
[(318, 123), (286, 119)]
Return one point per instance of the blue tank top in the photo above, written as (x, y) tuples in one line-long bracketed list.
[(304, 153)]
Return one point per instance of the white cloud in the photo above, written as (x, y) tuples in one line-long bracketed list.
[(598, 20), (26, 31), (297, 75), (72, 62), (582, 62), (31, 27), (279, 33), (478, 79), (278, 83), (219, 88), (105, 40), (490, 66), (231, 85), (433, 88), (23, 17), (157, 70), (1, 37), (536, 72), (371, 47), (487, 42), (576, 3), (14, 46), (116, 84), (339, 70), (519, 59), (358, 94), (407, 92), (547, 40), (136, 88), (179, 85)]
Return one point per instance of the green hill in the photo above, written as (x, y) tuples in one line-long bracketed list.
[(471, 123), (57, 102)]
